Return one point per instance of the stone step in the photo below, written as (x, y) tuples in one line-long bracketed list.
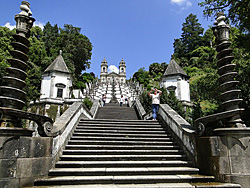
[(122, 157), (110, 138), (116, 117), (119, 122), (100, 127), (120, 126), (116, 109), (108, 142), (127, 164), (154, 185), (122, 171), (123, 152), (127, 135), (75, 180), (77, 130), (117, 147)]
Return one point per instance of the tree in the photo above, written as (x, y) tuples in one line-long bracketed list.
[(190, 39), (141, 76), (5, 40), (238, 11), (51, 33), (156, 70), (33, 83), (76, 49), (37, 49)]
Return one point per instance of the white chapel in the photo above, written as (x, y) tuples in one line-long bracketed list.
[(175, 79), (56, 80)]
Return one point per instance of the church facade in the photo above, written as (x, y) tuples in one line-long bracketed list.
[(109, 78)]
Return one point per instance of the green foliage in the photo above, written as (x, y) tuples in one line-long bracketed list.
[(52, 111), (150, 78), (190, 39), (170, 99), (199, 62), (44, 47), (76, 48), (141, 76), (33, 83), (238, 11), (51, 33), (88, 103), (84, 79), (5, 39), (146, 101), (63, 109)]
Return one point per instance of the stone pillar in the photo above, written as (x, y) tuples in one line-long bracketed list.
[(226, 155), (22, 159)]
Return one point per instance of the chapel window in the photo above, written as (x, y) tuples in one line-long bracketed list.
[(59, 93)]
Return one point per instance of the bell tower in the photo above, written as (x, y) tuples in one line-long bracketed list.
[(122, 71), (104, 71), (122, 67)]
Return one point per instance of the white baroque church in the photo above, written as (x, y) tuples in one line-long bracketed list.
[(113, 77)]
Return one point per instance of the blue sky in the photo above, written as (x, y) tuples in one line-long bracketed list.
[(139, 31)]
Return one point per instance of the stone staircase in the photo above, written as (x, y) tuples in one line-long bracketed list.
[(114, 111), (124, 153)]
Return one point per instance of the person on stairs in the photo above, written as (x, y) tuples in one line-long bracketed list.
[(121, 100), (103, 99), (155, 101)]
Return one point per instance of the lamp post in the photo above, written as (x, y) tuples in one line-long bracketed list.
[(12, 96), (229, 108), (229, 93)]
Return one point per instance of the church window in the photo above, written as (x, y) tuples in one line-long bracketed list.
[(122, 69), (103, 69), (59, 93)]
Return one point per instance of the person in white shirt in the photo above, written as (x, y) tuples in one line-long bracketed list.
[(121, 100), (155, 101)]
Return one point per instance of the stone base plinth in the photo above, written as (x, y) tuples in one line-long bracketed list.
[(22, 159), (226, 155), (14, 131)]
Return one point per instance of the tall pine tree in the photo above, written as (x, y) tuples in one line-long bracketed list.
[(191, 38)]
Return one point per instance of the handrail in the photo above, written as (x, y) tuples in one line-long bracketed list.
[(63, 126), (182, 131), (62, 122), (94, 108), (142, 113)]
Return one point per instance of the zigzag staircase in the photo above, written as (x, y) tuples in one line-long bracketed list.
[(115, 153)]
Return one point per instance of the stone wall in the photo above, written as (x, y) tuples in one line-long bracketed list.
[(181, 130), (226, 156), (22, 159)]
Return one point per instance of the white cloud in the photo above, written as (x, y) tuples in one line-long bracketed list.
[(39, 24), (185, 4), (179, 2), (113, 68), (10, 26)]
